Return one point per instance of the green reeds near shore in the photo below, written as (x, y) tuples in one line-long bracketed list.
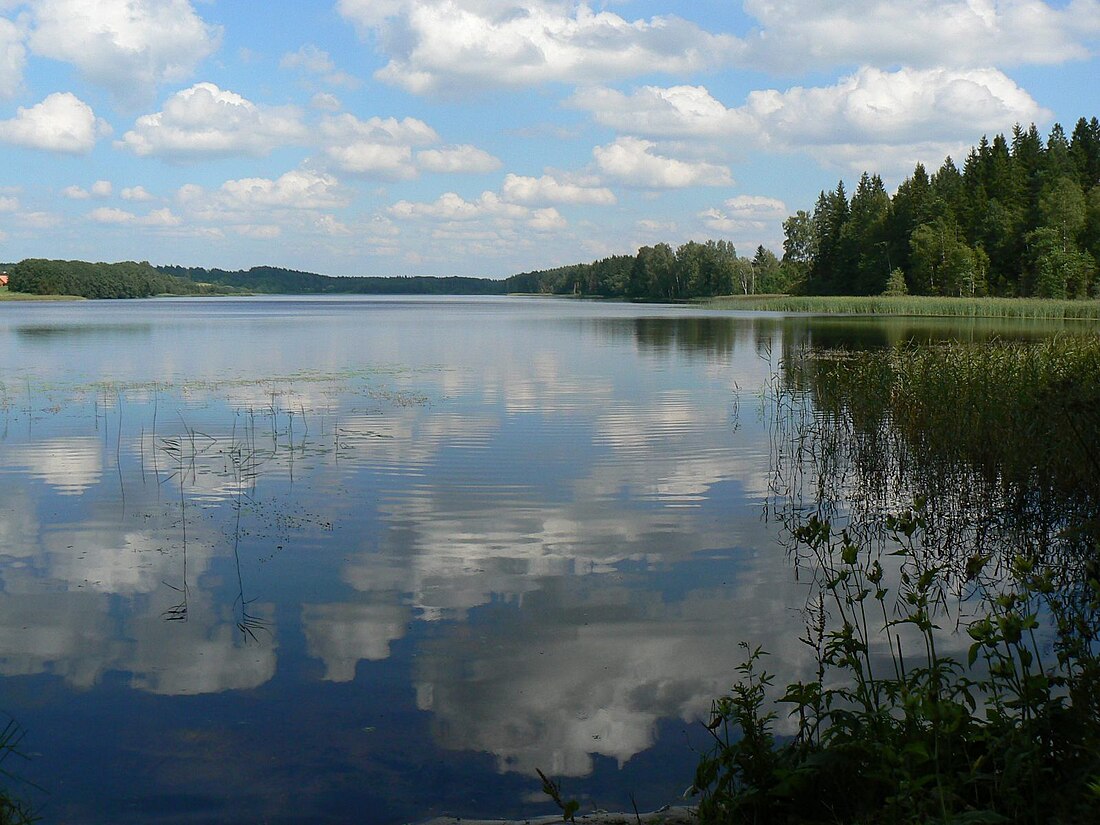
[(7, 295), (929, 306)]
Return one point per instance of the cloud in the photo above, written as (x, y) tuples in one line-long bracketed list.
[(377, 147), (315, 61), (487, 226), (100, 189), (128, 47), (633, 162), (652, 111), (205, 120), (745, 212), (13, 58), (548, 189), (136, 193), (463, 158), (111, 215), (39, 220), (463, 45), (259, 232), (797, 34), (390, 131), (60, 123), (325, 102), (297, 189), (8, 203), (869, 119), (374, 160)]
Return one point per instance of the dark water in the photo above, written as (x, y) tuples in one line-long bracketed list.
[(377, 560)]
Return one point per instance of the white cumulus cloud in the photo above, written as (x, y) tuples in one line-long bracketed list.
[(463, 158), (548, 189), (128, 47), (376, 147), (745, 212), (136, 193), (206, 120), (60, 123), (633, 161), (869, 119), (156, 218), (309, 58), (797, 34), (13, 58), (297, 189), (489, 207), (464, 45), (99, 189)]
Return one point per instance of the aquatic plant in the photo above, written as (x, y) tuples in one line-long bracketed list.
[(13, 811), (956, 639), (553, 790), (913, 735), (934, 306)]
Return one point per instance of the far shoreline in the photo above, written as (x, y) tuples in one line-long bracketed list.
[(918, 306)]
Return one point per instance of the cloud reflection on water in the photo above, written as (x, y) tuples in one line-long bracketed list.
[(560, 542)]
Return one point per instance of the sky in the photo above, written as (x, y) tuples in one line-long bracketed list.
[(489, 137)]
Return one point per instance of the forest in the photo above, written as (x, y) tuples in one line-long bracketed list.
[(102, 280), (659, 273), (275, 280), (1021, 218)]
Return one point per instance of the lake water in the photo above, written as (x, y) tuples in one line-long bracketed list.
[(376, 560)]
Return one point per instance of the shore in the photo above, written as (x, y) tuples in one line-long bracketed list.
[(913, 305), (8, 295)]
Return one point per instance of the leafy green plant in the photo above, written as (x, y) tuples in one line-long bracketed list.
[(893, 730)]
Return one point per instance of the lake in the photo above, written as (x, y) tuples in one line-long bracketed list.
[(380, 559)]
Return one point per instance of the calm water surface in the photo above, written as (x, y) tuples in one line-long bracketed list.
[(295, 560)]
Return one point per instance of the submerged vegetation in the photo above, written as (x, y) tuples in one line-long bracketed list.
[(956, 640)]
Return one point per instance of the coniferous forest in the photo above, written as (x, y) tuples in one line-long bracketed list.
[(1020, 218)]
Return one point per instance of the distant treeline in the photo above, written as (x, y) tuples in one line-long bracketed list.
[(273, 280), (101, 280), (693, 270), (654, 273), (1022, 218)]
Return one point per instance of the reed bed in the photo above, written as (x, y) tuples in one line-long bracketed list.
[(928, 306), (7, 295)]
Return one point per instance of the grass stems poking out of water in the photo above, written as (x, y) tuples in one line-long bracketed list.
[(930, 306), (956, 640), (13, 811)]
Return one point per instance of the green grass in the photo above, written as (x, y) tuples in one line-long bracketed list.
[(7, 295), (927, 306)]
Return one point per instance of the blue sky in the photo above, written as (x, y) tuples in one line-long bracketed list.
[(487, 137)]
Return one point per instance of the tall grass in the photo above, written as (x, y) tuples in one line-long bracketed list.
[(929, 306), (7, 295)]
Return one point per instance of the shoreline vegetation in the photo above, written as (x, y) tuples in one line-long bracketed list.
[(927, 306), (918, 306), (7, 295)]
